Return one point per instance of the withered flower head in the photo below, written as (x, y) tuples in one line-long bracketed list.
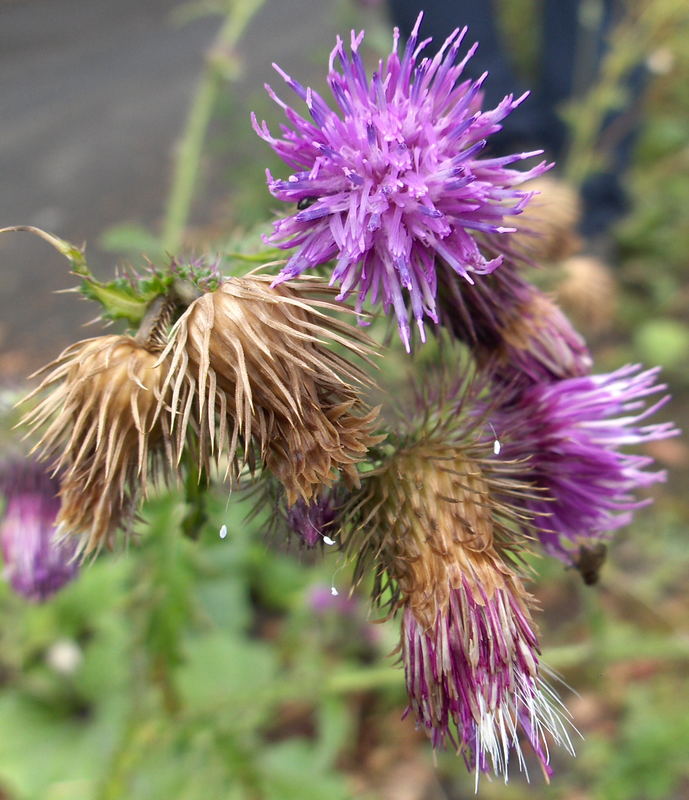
[(253, 374), (511, 324), (588, 292), (100, 426), (547, 227), (439, 522)]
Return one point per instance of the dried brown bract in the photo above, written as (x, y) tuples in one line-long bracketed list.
[(100, 426), (254, 377)]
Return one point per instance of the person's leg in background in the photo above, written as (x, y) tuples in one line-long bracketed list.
[(575, 39), (522, 128)]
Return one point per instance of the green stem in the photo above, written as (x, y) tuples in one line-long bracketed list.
[(73, 254), (190, 149)]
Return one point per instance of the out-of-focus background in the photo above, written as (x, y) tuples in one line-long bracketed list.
[(225, 669)]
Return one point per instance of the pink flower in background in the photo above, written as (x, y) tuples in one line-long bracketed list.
[(36, 566)]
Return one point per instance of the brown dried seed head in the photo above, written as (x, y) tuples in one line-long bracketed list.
[(588, 292), (430, 519), (250, 372), (99, 424), (309, 455), (546, 229)]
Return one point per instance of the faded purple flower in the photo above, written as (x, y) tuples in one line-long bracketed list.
[(514, 327), (36, 566), (394, 180), (314, 522), (322, 600), (473, 678), (572, 432)]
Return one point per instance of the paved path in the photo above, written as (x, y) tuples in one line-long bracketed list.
[(92, 98)]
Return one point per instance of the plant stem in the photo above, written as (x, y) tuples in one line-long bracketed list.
[(219, 66)]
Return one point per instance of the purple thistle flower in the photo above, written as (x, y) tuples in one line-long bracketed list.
[(394, 180), (571, 432), (314, 522), (473, 678), (511, 325), (36, 565), (440, 523)]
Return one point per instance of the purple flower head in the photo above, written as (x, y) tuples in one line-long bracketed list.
[(473, 677), (314, 522), (514, 327), (35, 564), (394, 179), (571, 432), (438, 524)]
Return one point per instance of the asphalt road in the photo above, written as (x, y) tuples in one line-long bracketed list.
[(93, 95)]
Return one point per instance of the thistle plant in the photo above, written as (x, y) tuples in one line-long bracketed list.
[(229, 378)]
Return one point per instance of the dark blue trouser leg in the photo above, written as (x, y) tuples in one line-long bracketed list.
[(570, 58), (571, 55), (441, 17)]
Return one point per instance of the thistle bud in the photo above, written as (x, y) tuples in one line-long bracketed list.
[(254, 359), (314, 522), (100, 426), (36, 565)]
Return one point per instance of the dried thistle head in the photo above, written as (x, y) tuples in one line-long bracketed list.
[(100, 425), (253, 375), (588, 291), (547, 226)]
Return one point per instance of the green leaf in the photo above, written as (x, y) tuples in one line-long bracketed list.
[(130, 238), (291, 771), (228, 675), (664, 342)]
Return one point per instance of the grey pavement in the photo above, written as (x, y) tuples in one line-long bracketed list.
[(93, 96)]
